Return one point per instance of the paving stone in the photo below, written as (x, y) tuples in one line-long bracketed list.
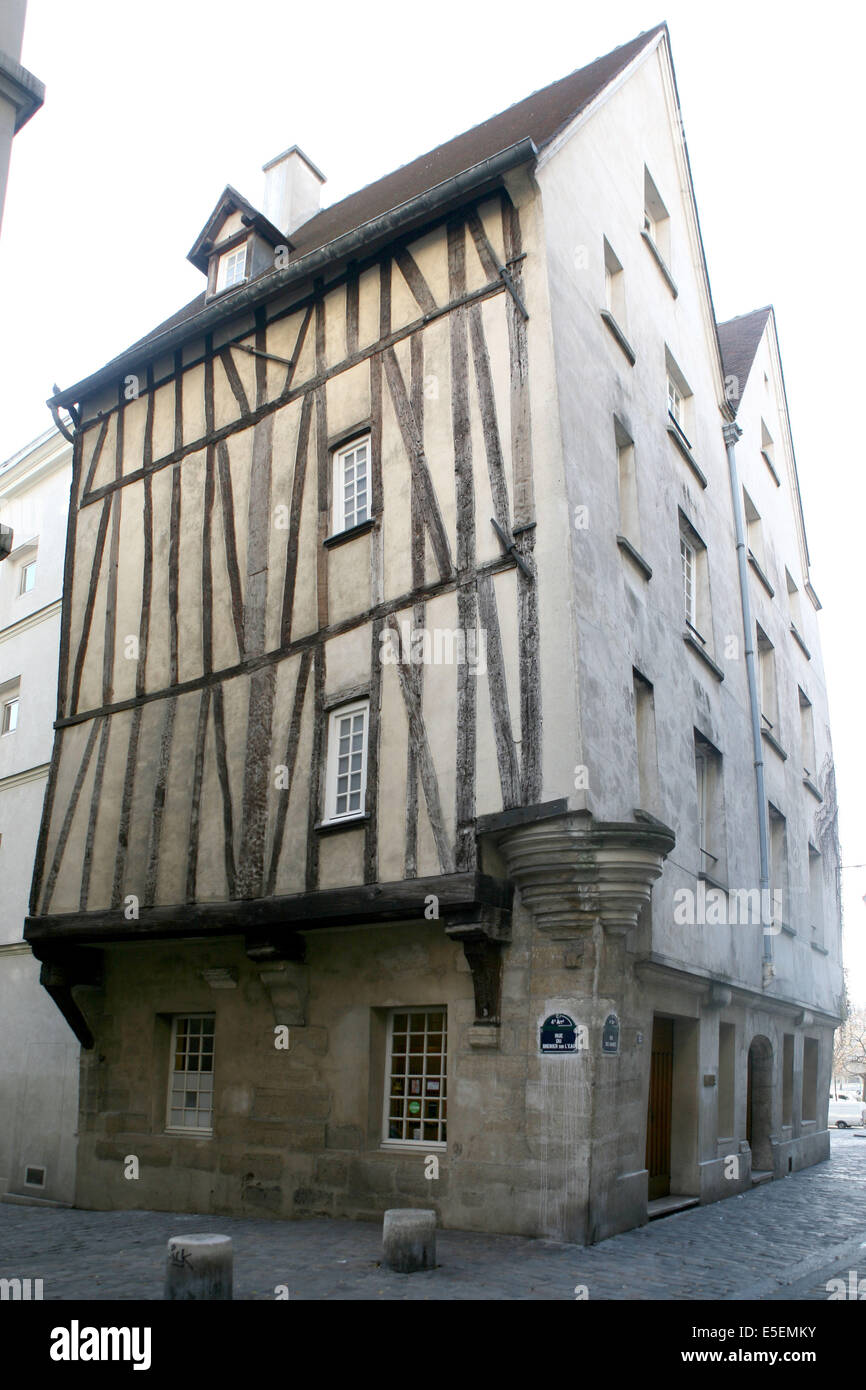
[(783, 1240)]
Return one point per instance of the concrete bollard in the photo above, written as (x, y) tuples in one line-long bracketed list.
[(409, 1240), (199, 1267)]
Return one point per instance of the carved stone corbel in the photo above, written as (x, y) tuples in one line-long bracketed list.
[(483, 933), (283, 974), (573, 871)]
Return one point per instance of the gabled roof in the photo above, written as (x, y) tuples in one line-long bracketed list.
[(738, 340), (539, 118), (228, 202)]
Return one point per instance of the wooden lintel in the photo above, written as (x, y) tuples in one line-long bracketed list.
[(336, 907)]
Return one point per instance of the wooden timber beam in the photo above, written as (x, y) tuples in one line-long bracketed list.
[(275, 917)]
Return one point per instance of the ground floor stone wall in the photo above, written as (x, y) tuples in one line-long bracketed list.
[(537, 1144)]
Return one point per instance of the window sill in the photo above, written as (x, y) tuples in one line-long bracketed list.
[(679, 439), (822, 950), (330, 827), (756, 566), (349, 535), (695, 645), (800, 643), (628, 549), (188, 1133), (617, 333), (810, 787), (769, 464), (661, 263), (412, 1146), (704, 877), (774, 744), (788, 931)]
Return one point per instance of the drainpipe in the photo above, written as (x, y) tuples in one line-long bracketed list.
[(732, 433)]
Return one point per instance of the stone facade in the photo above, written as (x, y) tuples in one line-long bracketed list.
[(551, 841), (38, 1054)]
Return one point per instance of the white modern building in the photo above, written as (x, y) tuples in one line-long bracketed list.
[(38, 1054)]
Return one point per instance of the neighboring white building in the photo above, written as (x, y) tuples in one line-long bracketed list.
[(38, 1054), (21, 94)]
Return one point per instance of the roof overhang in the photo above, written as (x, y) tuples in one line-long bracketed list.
[(25, 92), (367, 237)]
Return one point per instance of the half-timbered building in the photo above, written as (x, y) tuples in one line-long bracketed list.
[(416, 745)]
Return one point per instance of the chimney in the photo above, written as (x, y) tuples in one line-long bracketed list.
[(293, 187)]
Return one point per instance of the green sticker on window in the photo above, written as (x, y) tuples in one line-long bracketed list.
[(414, 1107)]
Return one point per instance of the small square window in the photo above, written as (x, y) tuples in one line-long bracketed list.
[(346, 791), (352, 484), (416, 1102), (190, 1081), (27, 581), (232, 268), (10, 715)]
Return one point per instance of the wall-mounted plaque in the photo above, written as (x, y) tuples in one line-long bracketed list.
[(610, 1034), (558, 1034)]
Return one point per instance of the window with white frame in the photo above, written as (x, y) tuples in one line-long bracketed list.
[(347, 761), (679, 395), (352, 484), (190, 1082), (232, 268), (416, 1077), (688, 559), (695, 580), (27, 576), (9, 718)]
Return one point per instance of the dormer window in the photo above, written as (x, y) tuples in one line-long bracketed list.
[(232, 268)]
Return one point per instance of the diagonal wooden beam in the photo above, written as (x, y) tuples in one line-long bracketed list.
[(506, 753), (87, 618), (415, 280), (414, 446), (292, 742), (228, 520), (297, 502), (69, 816), (95, 456), (489, 422), (426, 767), (234, 380)]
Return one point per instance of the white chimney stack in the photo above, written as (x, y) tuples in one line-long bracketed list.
[(293, 187)]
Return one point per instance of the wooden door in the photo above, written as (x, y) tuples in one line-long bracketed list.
[(658, 1129)]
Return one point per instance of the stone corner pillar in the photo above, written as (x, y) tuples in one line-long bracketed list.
[(572, 870)]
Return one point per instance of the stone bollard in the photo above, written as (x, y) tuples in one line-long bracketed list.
[(199, 1267), (409, 1240)]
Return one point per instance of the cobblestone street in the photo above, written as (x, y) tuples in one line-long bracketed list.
[(783, 1240)]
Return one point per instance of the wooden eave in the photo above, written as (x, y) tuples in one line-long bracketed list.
[(336, 907)]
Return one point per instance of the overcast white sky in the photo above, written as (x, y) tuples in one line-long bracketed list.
[(151, 109)]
